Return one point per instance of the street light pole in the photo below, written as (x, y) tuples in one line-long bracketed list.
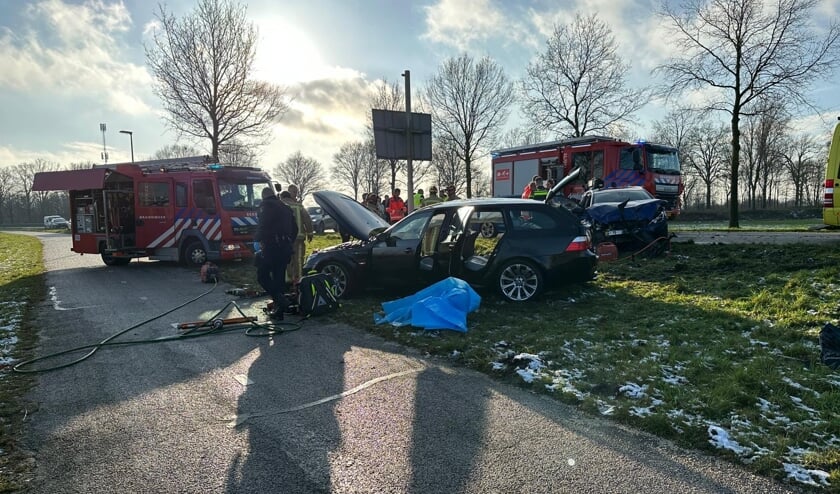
[(131, 139)]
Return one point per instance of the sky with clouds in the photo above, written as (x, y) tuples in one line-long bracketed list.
[(69, 65)]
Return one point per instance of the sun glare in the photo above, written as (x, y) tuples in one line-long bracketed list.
[(286, 55)]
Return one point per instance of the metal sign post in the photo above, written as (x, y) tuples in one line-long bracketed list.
[(409, 169), (403, 136)]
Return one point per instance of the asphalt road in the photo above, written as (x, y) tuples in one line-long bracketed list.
[(327, 408)]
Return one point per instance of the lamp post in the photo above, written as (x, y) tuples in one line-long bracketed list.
[(131, 139)]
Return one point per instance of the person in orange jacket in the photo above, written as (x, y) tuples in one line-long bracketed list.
[(532, 186), (396, 207)]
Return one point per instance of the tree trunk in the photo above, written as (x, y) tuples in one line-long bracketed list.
[(736, 157)]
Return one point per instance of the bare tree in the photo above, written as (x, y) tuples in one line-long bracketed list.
[(202, 64), (7, 187), (520, 136), (707, 155), (469, 102), (743, 51), (24, 176), (238, 153), (375, 172), (304, 172), (350, 163), (447, 164), (577, 86), (175, 151), (760, 147), (800, 160), (678, 129), (80, 165)]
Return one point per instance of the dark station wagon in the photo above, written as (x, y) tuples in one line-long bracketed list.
[(530, 246)]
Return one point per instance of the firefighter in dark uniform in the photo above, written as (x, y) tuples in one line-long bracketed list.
[(276, 231)]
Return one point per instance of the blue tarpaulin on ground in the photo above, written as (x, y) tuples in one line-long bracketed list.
[(444, 305)]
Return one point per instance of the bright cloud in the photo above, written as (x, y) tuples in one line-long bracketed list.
[(73, 49), (461, 23)]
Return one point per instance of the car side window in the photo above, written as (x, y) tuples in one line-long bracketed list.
[(531, 219), (411, 228)]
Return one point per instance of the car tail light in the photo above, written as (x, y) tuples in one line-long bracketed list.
[(579, 244), (828, 198)]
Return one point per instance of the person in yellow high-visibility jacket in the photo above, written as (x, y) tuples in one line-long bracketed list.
[(305, 231)]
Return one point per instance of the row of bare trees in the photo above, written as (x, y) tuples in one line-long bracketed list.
[(746, 60), (778, 164)]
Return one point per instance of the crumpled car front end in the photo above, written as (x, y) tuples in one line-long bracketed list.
[(632, 226)]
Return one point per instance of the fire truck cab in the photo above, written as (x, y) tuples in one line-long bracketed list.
[(601, 159), (185, 209)]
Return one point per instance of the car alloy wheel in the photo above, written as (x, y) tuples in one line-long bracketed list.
[(488, 229), (519, 281), (340, 277)]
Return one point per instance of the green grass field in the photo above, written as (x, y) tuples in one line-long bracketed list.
[(710, 342), (21, 288)]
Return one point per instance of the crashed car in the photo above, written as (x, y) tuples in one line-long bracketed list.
[(630, 217), (540, 245)]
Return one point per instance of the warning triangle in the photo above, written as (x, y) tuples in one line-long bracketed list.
[(321, 301)]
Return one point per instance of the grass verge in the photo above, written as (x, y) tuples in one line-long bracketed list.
[(21, 289), (715, 347)]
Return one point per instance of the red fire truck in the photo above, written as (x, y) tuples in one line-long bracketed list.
[(183, 209), (616, 163)]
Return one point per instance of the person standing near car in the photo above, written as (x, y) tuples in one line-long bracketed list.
[(396, 207), (433, 198), (276, 230), (540, 192), (451, 194), (304, 234)]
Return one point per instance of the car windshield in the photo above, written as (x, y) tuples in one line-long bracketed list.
[(620, 195), (662, 159), (241, 195)]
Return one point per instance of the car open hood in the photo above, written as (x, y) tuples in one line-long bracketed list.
[(610, 212), (352, 217)]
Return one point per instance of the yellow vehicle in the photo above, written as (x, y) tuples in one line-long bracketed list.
[(831, 206)]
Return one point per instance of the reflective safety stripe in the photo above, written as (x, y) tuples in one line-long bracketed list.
[(539, 194), (298, 210)]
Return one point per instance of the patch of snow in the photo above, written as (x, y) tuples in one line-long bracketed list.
[(641, 411), (605, 408), (498, 365), (720, 439), (806, 476), (527, 375), (633, 390), (802, 406), (790, 382)]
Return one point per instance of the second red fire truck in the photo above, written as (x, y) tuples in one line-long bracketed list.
[(613, 162)]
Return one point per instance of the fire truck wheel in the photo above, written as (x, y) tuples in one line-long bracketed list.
[(194, 254), (110, 260)]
